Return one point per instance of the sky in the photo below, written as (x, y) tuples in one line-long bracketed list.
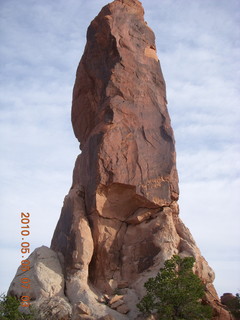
[(198, 44)]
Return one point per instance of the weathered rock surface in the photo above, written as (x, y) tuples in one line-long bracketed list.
[(46, 275), (120, 117), (229, 300), (227, 297), (54, 308), (47, 284), (107, 317), (120, 220)]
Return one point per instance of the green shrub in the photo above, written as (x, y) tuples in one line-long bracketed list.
[(175, 293), (9, 309)]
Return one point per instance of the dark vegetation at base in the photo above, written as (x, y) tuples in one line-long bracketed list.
[(176, 293), (9, 309)]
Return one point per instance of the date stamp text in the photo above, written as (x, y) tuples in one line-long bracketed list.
[(25, 250)]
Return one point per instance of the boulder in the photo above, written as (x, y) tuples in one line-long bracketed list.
[(123, 308), (54, 308), (116, 304), (82, 308), (45, 276), (115, 299)]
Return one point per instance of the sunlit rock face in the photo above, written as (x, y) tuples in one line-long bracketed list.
[(127, 168), (120, 220)]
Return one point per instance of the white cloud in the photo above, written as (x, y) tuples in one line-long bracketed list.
[(210, 209), (223, 280), (198, 46)]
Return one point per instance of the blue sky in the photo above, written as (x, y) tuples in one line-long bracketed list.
[(198, 45)]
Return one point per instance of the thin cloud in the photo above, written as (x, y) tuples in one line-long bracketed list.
[(198, 46)]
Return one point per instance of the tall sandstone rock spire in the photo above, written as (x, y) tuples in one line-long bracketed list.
[(126, 171), (120, 220)]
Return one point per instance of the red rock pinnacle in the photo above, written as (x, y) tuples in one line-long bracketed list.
[(120, 222), (119, 111), (120, 117)]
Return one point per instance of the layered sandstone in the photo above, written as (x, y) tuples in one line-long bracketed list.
[(120, 220), (127, 167)]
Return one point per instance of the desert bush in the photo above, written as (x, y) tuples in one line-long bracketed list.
[(176, 293)]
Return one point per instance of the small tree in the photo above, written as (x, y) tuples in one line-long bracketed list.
[(176, 292), (9, 309)]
